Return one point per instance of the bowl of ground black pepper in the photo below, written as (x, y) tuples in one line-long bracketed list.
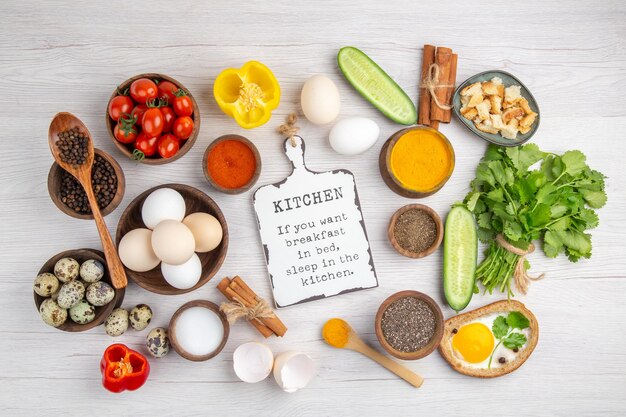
[(415, 231), (107, 179), (409, 325)]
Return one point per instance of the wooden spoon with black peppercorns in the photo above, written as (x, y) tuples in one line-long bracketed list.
[(72, 148)]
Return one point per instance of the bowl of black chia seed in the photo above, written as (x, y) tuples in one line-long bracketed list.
[(107, 180), (409, 325)]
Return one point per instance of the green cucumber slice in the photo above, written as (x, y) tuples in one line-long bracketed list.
[(376, 86), (460, 251)]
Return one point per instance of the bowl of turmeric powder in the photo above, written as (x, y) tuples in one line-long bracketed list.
[(416, 162), (232, 164)]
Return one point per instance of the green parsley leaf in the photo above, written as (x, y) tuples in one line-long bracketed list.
[(517, 320), (514, 341), (574, 162), (595, 199), (500, 327), (523, 157), (471, 200)]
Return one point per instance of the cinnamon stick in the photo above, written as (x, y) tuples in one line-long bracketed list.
[(423, 115), (442, 59), (263, 329), (274, 323), (447, 114)]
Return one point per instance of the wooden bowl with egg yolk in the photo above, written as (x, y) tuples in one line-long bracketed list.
[(195, 201)]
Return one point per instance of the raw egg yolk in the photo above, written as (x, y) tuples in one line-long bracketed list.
[(474, 342)]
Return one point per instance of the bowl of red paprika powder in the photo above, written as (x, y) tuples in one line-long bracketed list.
[(232, 164)]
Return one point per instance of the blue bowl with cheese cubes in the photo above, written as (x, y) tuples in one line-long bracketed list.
[(498, 107)]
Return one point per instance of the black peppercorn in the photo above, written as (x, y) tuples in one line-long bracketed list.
[(515, 350), (103, 181), (454, 331), (73, 146), (502, 360)]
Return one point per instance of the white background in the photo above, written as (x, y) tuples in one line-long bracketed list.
[(69, 56)]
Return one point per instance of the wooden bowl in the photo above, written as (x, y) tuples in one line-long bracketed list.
[(195, 200), (384, 164), (186, 144), (82, 255), (392, 238), (428, 348), (54, 188), (172, 330), (257, 158)]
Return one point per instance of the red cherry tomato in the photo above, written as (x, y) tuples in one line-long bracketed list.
[(168, 117), (146, 145), (124, 134), (138, 112), (167, 89), (183, 106), (120, 105), (143, 89), (168, 145), (183, 126), (152, 122)]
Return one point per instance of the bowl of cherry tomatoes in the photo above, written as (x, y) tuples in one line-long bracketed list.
[(153, 119)]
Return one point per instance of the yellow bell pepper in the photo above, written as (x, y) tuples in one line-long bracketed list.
[(247, 94)]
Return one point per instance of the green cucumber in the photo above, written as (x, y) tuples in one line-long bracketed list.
[(376, 86), (460, 250)]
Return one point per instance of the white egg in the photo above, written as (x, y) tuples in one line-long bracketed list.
[(162, 204), (293, 370), (206, 229), (253, 362), (320, 100), (173, 242), (135, 251), (354, 135), (183, 276)]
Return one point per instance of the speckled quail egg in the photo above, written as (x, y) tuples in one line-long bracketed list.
[(51, 313), (100, 293), (140, 316), (157, 342), (66, 269), (117, 322), (92, 270), (82, 312), (71, 293), (46, 284)]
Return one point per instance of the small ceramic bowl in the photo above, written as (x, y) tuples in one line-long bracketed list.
[(172, 330), (507, 80), (82, 255), (384, 164), (392, 238), (195, 201), (434, 341), (257, 158), (127, 150), (54, 188)]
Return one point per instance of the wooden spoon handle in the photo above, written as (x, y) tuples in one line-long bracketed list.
[(404, 373), (116, 269)]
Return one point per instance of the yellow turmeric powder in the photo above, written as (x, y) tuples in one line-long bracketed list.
[(421, 159), (336, 332)]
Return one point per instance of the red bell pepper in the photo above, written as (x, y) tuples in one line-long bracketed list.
[(123, 368)]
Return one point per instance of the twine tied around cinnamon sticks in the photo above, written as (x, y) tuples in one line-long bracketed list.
[(236, 310), (289, 129), (522, 279), (431, 83)]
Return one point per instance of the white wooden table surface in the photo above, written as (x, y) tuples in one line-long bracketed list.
[(69, 56)]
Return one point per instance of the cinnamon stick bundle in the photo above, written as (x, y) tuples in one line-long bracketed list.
[(438, 77), (238, 291)]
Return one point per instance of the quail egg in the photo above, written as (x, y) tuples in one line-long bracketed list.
[(157, 342), (82, 312), (140, 316), (46, 284), (70, 294), (92, 270), (100, 293), (51, 313), (117, 322), (66, 269)]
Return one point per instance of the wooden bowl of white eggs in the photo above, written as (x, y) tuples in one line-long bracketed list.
[(172, 239)]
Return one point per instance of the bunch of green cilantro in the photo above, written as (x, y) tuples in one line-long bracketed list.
[(554, 203)]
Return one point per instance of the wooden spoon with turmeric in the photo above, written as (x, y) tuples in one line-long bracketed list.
[(338, 333)]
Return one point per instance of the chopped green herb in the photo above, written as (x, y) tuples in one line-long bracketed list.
[(503, 329)]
